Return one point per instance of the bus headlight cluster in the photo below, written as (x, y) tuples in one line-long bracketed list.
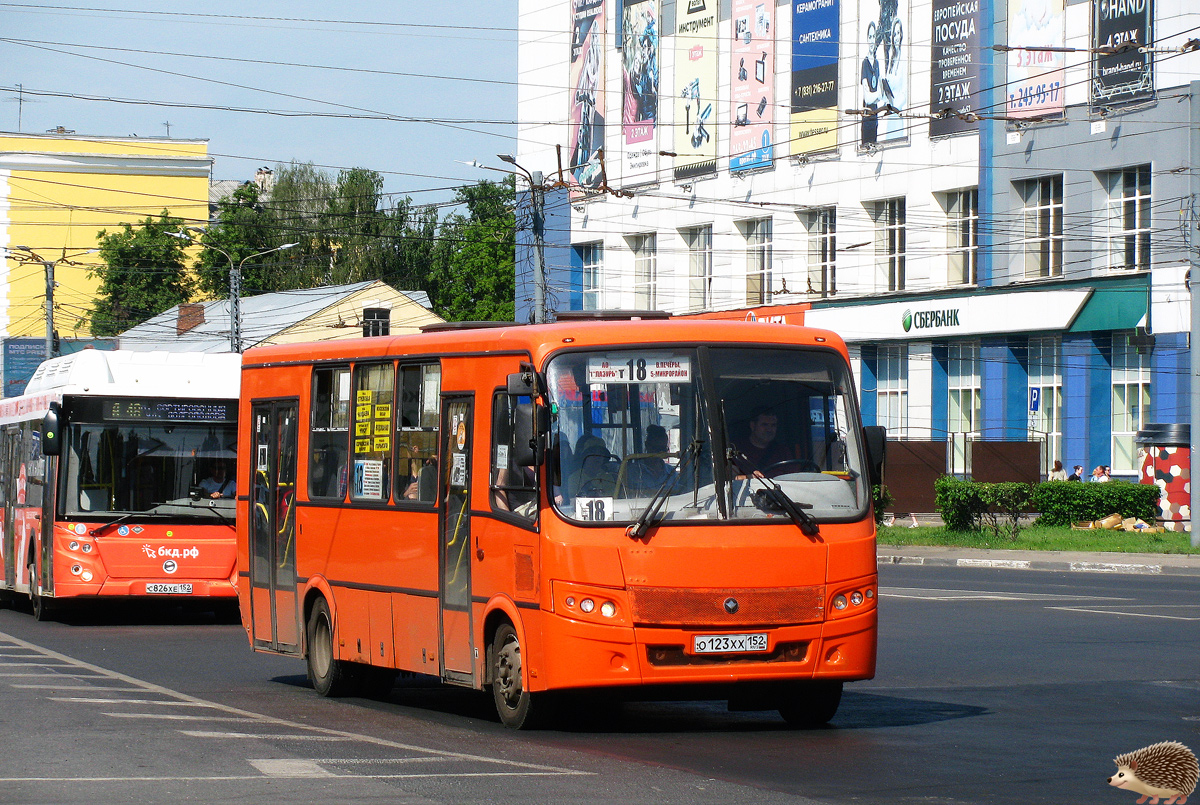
[(597, 605), (856, 598)]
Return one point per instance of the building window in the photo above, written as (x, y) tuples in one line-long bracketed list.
[(376, 321), (963, 381), (645, 271), (1129, 218), (1042, 209), (891, 241), (1045, 384), (1131, 398), (591, 255), (700, 265), (758, 261), (962, 213), (891, 383), (822, 252)]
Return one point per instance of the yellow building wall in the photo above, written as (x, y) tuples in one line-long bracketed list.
[(57, 192)]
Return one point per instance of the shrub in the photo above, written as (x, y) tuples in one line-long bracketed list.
[(1064, 502), (1005, 503), (959, 503), (973, 506), (882, 498)]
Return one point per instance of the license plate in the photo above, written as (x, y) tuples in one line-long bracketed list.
[(168, 589), (729, 643)]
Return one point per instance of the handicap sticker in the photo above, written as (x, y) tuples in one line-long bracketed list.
[(123, 531)]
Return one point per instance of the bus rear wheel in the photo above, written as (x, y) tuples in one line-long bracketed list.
[(329, 676), (516, 706), (810, 704), (37, 602)]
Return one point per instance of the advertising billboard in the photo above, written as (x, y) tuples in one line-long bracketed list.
[(586, 113), (695, 88), (639, 107), (954, 74), (752, 85), (1124, 74), (1036, 77), (814, 107), (883, 74)]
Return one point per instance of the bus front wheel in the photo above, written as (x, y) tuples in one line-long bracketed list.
[(37, 603), (517, 707), (810, 704), (329, 676)]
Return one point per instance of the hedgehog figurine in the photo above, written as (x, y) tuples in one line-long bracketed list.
[(1166, 769)]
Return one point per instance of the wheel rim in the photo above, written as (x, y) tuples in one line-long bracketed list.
[(508, 673), (322, 647)]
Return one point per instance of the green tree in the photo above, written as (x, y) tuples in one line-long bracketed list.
[(143, 274), (242, 227), (473, 276)]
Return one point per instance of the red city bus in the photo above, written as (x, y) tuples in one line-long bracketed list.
[(542, 508), (101, 465)]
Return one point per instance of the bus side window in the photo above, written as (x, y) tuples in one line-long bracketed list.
[(330, 433), (513, 488), (417, 432)]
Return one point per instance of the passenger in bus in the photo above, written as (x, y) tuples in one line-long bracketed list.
[(597, 475), (219, 484), (652, 470), (516, 491)]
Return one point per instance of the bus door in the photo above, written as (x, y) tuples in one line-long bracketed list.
[(454, 516), (274, 616), (9, 439)]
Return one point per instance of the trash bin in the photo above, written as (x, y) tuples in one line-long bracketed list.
[(1165, 459)]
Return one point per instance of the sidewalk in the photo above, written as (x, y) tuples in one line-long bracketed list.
[(1165, 564)]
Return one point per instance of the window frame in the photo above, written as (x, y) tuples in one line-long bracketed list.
[(891, 241), (1130, 201), (645, 270), (822, 250), (962, 237), (758, 234), (1042, 217), (699, 240)]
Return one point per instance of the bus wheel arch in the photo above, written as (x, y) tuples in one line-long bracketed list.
[(329, 676), (507, 674)]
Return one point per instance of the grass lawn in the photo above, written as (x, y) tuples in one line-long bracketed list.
[(1042, 538)]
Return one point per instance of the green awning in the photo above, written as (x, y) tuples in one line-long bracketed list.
[(1112, 309)]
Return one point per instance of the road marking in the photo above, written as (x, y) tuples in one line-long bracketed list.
[(283, 730), (100, 700), (223, 778), (1134, 614), (291, 768), (934, 594), (125, 689)]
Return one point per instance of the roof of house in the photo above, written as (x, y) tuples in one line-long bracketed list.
[(262, 317)]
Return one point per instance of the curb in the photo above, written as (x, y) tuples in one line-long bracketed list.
[(1055, 565)]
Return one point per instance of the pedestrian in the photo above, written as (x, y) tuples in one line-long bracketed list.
[(1077, 475), (1058, 473), (1106, 472)]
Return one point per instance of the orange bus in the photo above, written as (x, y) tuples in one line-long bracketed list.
[(102, 463), (557, 507)]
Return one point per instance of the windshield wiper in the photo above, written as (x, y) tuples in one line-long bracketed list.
[(772, 496), (638, 528), (97, 532)]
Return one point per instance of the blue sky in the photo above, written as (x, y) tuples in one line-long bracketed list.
[(452, 62)]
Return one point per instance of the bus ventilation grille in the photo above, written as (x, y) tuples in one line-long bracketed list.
[(672, 606)]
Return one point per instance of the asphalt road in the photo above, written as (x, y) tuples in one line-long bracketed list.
[(993, 686)]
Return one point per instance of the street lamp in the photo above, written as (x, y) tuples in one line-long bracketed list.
[(31, 256), (536, 188), (235, 282)]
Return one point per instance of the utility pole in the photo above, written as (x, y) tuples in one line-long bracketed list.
[(1193, 243), (536, 189), (49, 308)]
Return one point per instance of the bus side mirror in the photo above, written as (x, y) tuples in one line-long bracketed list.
[(530, 423), (875, 438), (525, 383), (52, 424)]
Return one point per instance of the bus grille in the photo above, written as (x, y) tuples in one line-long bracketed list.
[(672, 606)]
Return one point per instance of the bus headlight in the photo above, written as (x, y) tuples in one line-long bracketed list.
[(608, 609), (587, 605), (86, 575)]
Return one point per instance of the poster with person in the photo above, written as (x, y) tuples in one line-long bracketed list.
[(639, 108)]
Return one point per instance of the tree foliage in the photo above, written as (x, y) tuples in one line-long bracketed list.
[(143, 274), (473, 276)]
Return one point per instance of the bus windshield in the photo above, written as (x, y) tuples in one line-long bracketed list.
[(178, 469), (704, 433)]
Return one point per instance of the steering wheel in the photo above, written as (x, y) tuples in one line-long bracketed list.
[(789, 466), (595, 487)]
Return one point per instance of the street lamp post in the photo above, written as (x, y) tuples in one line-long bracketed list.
[(235, 282), (31, 256)]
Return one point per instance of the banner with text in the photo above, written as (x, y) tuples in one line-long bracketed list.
[(1126, 75), (695, 88), (1036, 77), (814, 76), (883, 33), (752, 85), (954, 79), (586, 118), (639, 115)]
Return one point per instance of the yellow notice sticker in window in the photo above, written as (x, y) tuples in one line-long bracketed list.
[(362, 445), (364, 396), (383, 411), (383, 443), (382, 427), (362, 428), (362, 412)]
